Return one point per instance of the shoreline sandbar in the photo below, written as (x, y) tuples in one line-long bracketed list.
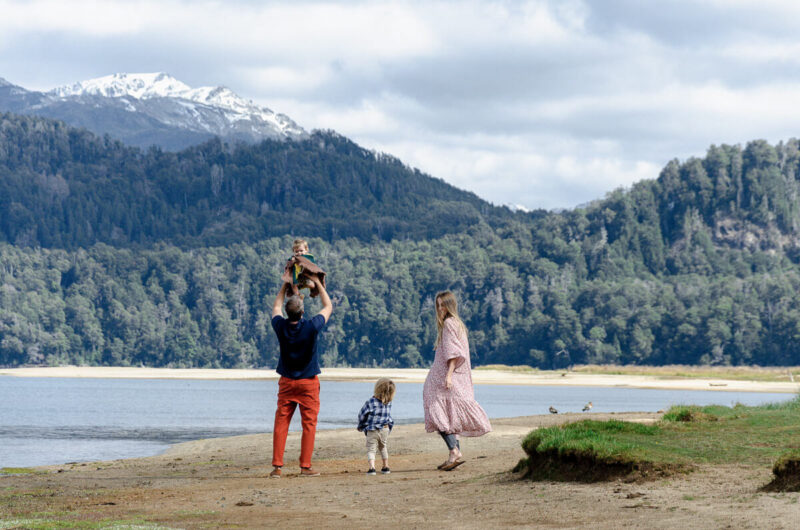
[(417, 375)]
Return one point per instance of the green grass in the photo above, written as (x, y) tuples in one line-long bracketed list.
[(603, 439), (686, 436), (20, 471)]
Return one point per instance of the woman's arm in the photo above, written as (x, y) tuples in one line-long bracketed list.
[(451, 367)]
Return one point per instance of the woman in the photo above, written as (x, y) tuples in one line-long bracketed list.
[(450, 406)]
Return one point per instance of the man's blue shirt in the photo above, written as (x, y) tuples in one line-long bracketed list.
[(299, 358)]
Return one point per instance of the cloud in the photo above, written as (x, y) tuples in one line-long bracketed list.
[(540, 103)]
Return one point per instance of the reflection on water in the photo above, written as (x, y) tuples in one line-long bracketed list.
[(52, 421)]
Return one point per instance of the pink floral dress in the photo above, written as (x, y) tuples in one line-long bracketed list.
[(453, 411)]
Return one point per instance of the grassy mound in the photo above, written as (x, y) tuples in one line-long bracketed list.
[(590, 451), (685, 437), (787, 473), (689, 414)]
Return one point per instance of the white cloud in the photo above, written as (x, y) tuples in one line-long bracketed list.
[(540, 103), (93, 18), (294, 30)]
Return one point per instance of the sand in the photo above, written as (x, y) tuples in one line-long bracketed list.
[(417, 375), (222, 483)]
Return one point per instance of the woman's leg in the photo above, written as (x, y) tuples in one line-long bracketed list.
[(449, 439)]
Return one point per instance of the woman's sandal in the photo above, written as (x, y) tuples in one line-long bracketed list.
[(443, 464), (452, 465)]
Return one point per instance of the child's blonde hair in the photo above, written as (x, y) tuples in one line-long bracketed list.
[(299, 243), (384, 390)]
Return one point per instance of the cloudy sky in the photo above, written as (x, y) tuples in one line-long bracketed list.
[(544, 104)]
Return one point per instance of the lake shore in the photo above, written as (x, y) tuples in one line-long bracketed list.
[(223, 482), (417, 375)]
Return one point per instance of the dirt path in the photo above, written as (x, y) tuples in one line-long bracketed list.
[(221, 482)]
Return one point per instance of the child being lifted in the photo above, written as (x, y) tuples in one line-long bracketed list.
[(299, 269)]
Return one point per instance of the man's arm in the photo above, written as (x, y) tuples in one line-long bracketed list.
[(327, 306), (277, 306)]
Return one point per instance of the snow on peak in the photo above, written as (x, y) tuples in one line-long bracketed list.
[(140, 86), (161, 85)]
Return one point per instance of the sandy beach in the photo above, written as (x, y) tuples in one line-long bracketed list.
[(417, 375), (223, 482)]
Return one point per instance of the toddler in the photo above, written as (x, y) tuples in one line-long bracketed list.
[(299, 267), (375, 419)]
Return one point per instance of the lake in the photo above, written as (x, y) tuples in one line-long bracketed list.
[(53, 420)]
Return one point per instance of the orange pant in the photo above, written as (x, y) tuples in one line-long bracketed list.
[(293, 392)]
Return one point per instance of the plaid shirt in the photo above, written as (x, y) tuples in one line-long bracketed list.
[(374, 415)]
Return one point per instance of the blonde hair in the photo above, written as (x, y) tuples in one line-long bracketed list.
[(299, 243), (450, 305), (384, 390)]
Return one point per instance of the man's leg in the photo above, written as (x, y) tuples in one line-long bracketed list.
[(309, 410), (283, 417)]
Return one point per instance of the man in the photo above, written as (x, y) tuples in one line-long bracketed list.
[(298, 366)]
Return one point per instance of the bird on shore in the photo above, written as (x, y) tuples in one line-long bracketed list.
[(553, 410), (587, 407)]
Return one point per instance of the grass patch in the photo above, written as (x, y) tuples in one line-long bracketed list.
[(688, 414), (589, 451), (686, 436), (21, 471)]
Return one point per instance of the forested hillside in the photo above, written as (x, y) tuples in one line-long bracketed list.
[(66, 188), (698, 266)]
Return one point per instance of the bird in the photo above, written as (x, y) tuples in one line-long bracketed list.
[(587, 407), (553, 410)]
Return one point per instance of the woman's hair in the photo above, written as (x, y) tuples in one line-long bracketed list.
[(384, 390), (299, 243), (450, 304)]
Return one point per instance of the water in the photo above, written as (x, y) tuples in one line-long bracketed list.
[(53, 421)]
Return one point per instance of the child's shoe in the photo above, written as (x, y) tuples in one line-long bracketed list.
[(386, 470), (371, 471)]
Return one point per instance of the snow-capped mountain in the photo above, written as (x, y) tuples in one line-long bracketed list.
[(153, 108)]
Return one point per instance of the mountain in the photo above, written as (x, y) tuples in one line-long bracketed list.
[(64, 187), (152, 109)]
